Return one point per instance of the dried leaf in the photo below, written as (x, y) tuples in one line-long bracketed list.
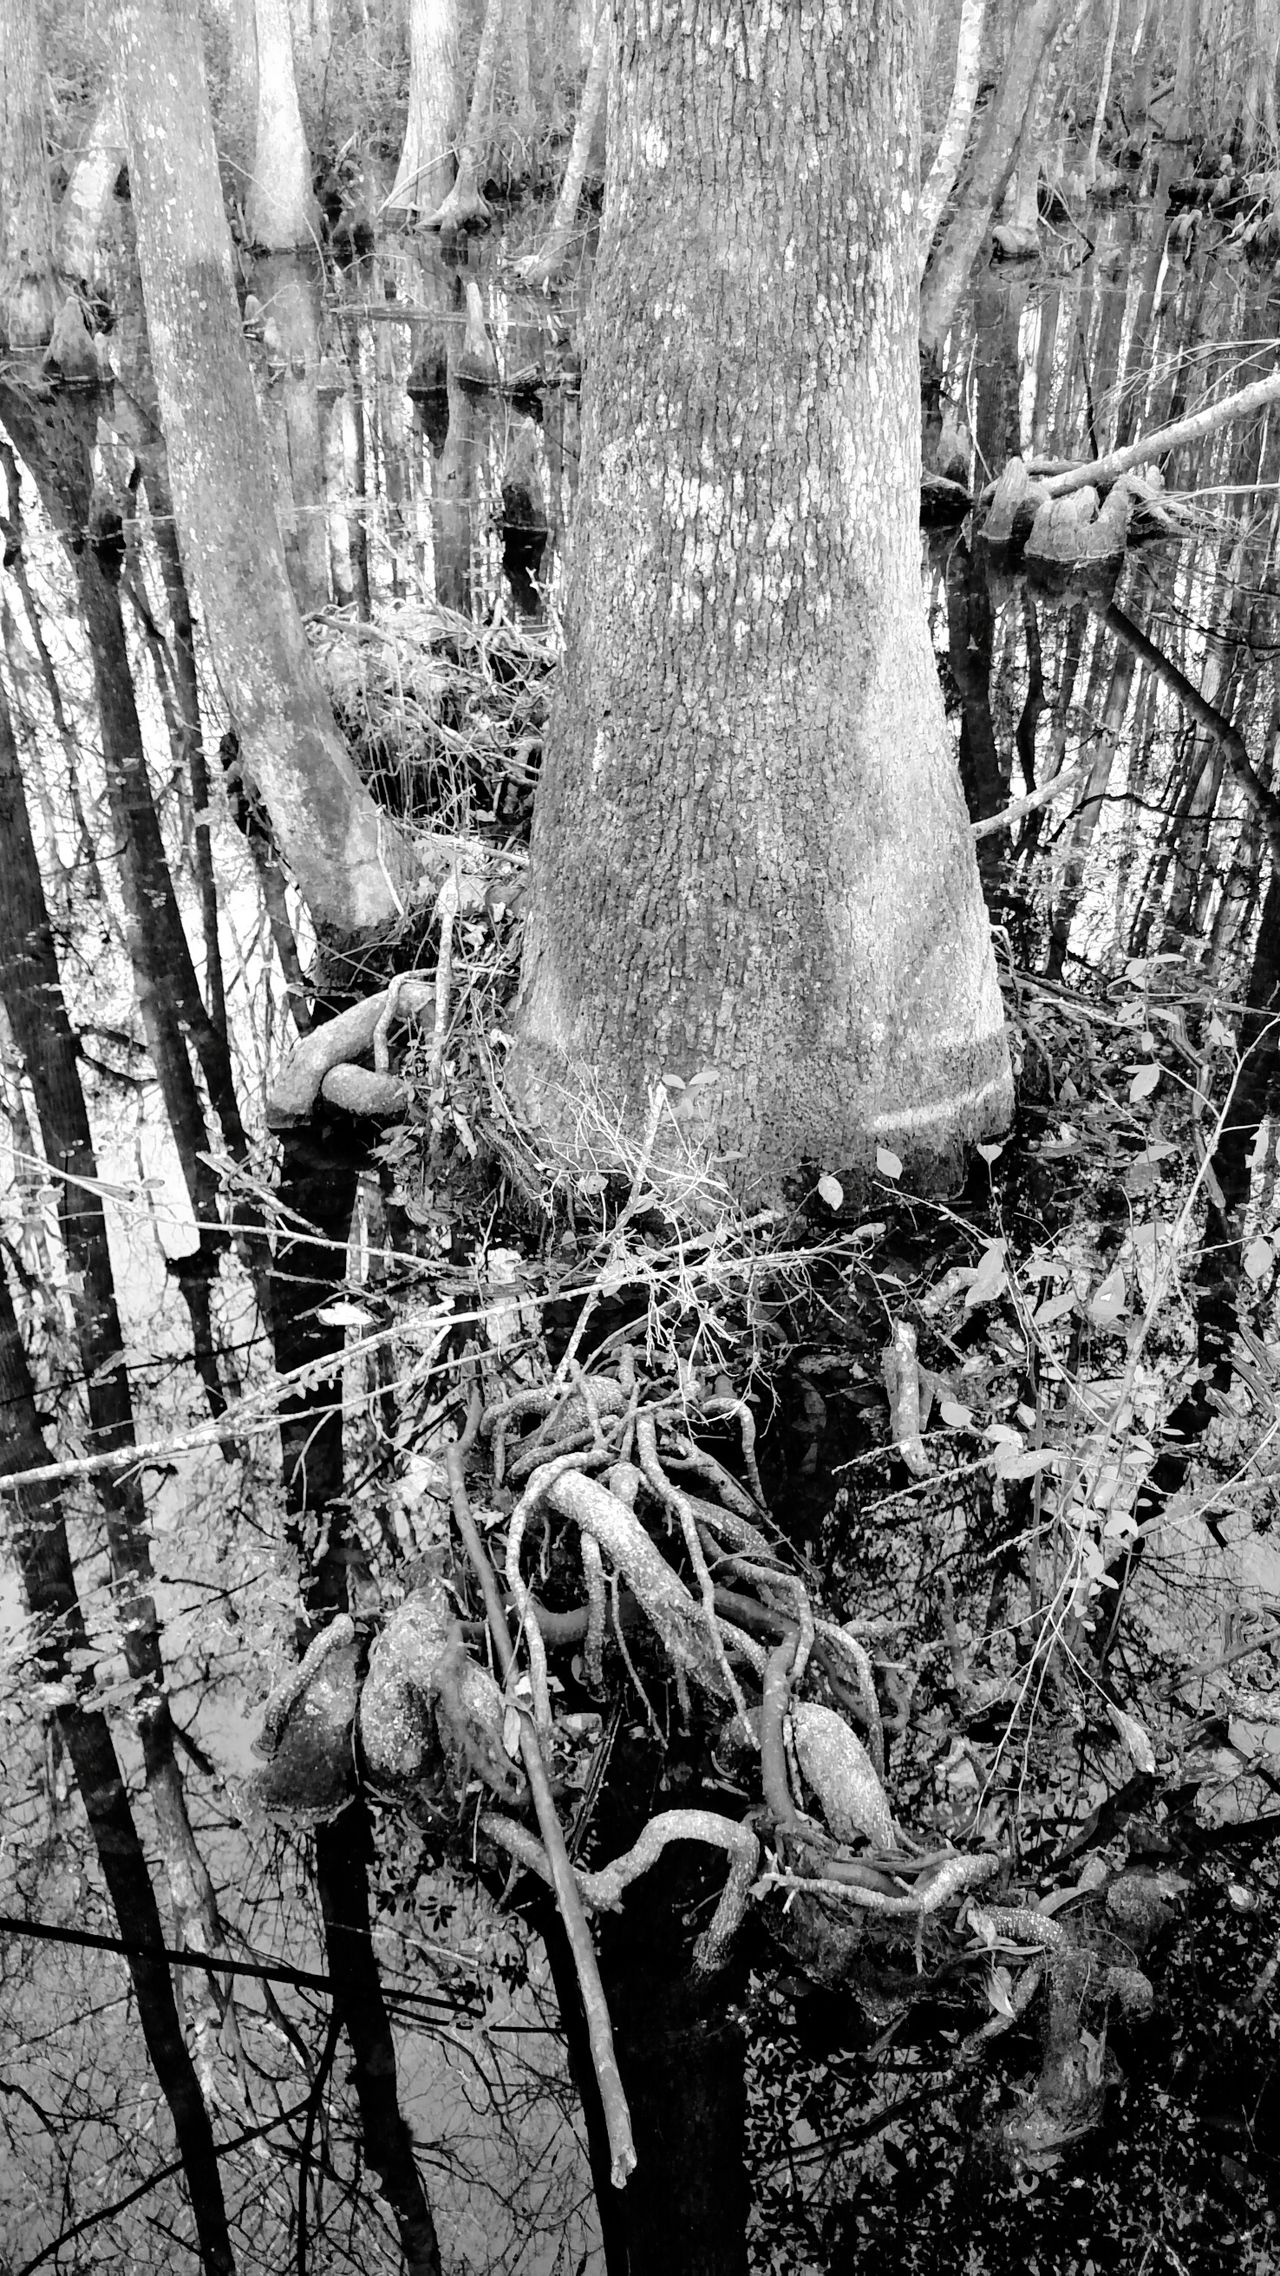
[(989, 1277), (1109, 1298), (1137, 1744), (831, 1191)]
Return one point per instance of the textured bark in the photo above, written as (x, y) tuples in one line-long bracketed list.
[(279, 207), (749, 848), (28, 298), (425, 173), (346, 860)]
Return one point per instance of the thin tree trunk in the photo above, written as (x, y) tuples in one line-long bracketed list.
[(86, 200), (538, 268), (351, 866), (289, 284), (955, 133), (44, 1560), (280, 207), (29, 297), (1088, 814), (464, 207), (1104, 91), (1264, 801), (425, 173), (947, 275)]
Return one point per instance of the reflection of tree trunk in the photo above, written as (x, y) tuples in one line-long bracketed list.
[(453, 498), (425, 172), (1262, 798), (1088, 814), (524, 521), (56, 446), (39, 1541), (335, 412), (1141, 746), (31, 987), (342, 1851), (288, 285), (317, 1193), (997, 416), (32, 990), (191, 755), (1191, 849), (359, 486), (683, 2061), (1256, 1094), (969, 628), (948, 271), (394, 430)]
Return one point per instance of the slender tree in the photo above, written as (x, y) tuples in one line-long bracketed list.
[(540, 267), (465, 206), (424, 176), (1036, 24), (280, 208), (28, 297), (351, 867), (749, 863)]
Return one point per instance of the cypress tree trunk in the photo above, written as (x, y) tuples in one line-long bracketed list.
[(750, 860)]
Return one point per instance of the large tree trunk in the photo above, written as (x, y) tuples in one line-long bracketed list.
[(347, 862), (750, 851)]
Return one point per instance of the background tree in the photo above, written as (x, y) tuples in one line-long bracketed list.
[(749, 859), (279, 205), (28, 298), (425, 173), (348, 861)]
